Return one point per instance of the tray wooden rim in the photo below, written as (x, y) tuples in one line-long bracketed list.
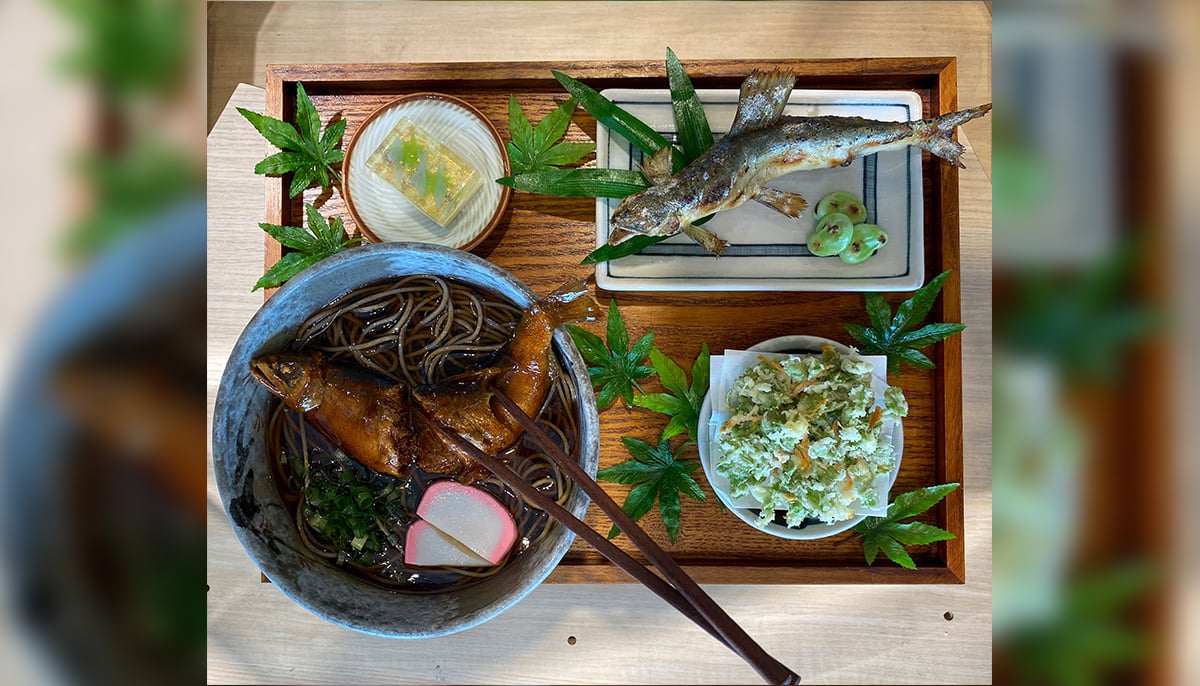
[(936, 74)]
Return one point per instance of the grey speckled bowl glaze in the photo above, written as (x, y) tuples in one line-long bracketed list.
[(247, 487)]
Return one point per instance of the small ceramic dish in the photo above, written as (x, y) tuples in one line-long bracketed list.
[(742, 508), (383, 213)]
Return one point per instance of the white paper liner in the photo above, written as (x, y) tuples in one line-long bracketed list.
[(725, 369)]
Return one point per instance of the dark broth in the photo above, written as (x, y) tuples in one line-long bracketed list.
[(413, 335)]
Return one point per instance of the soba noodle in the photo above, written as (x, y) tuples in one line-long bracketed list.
[(417, 330)]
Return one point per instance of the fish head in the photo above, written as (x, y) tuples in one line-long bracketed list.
[(648, 212), (296, 379)]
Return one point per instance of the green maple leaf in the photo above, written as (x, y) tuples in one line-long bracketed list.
[(895, 336), (539, 148), (321, 240), (616, 366), (657, 475), (682, 401), (305, 152), (891, 535)]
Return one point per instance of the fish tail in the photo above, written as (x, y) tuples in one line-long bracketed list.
[(570, 302), (935, 135)]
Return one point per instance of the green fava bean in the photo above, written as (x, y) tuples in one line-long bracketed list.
[(844, 203), (832, 235), (868, 238)]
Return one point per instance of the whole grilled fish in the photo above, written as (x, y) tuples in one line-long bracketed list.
[(762, 145), (390, 427)]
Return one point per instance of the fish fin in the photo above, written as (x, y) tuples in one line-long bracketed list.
[(764, 95), (935, 135), (657, 167), (570, 302), (618, 236), (788, 204), (705, 238)]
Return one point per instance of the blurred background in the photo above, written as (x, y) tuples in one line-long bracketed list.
[(102, 417), (1095, 230)]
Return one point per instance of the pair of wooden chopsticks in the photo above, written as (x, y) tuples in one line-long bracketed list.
[(678, 589)]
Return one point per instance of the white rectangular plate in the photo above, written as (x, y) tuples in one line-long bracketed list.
[(768, 251)]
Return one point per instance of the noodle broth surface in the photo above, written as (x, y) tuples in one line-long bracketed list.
[(411, 330)]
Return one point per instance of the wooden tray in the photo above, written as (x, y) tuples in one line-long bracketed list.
[(541, 241)]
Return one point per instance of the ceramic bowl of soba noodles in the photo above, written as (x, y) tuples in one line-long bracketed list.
[(330, 442)]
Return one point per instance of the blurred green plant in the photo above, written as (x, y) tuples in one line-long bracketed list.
[(1083, 321), (129, 185), (1092, 636), (128, 47), (134, 54)]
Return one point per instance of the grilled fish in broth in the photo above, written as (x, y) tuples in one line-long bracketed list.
[(390, 427)]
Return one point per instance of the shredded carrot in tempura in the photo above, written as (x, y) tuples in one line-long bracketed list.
[(800, 455), (876, 415)]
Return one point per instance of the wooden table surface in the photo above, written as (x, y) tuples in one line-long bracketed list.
[(612, 633)]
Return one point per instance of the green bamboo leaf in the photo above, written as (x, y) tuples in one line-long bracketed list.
[(517, 158), (554, 125), (589, 344), (647, 454), (579, 183), (916, 358), (608, 395), (669, 508), (670, 374), (917, 533), (912, 311), (870, 549), (322, 175), (290, 236), (289, 266), (685, 483), (332, 136), (566, 152), (691, 124), (518, 126), (318, 226), (858, 332), (896, 553), (641, 349), (280, 163), (625, 248), (675, 426), (618, 336), (700, 373), (662, 403), (301, 179), (878, 311), (915, 502), (308, 121), (618, 120), (929, 334), (629, 472), (278, 133), (639, 501)]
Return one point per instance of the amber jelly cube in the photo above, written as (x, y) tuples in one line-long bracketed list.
[(438, 180)]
